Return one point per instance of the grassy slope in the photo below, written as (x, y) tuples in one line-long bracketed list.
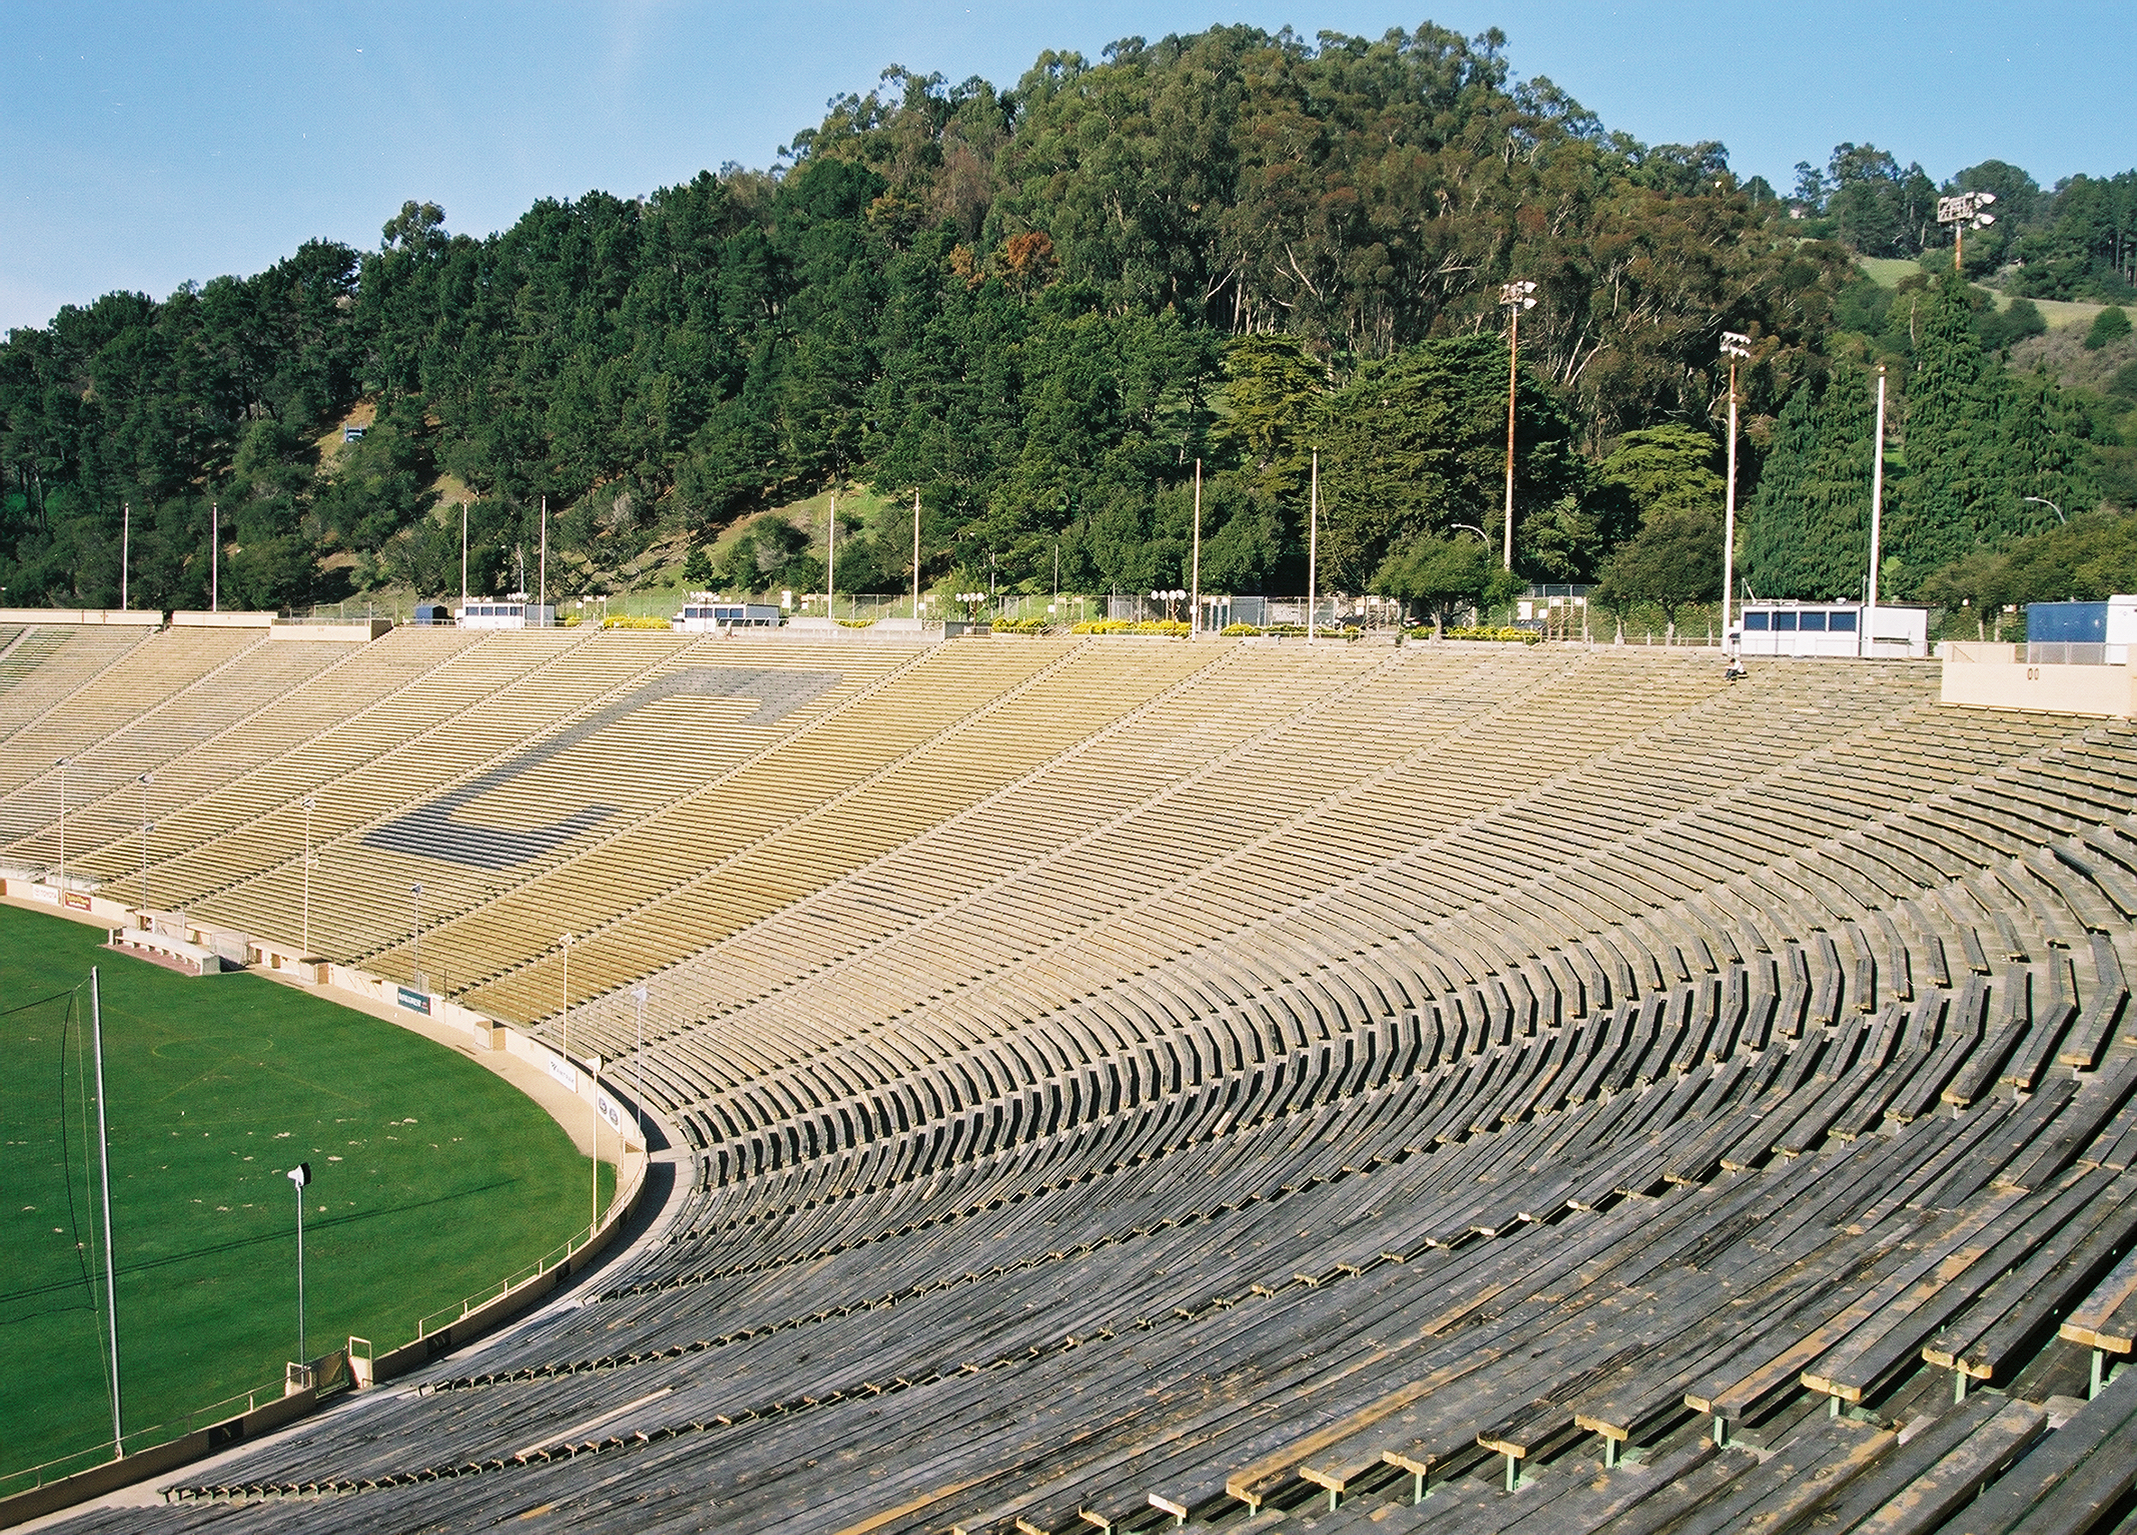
[(1889, 271), (433, 1178)]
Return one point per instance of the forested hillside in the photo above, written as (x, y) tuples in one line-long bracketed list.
[(1040, 306)]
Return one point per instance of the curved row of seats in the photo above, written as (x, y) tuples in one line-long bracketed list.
[(1449, 1087)]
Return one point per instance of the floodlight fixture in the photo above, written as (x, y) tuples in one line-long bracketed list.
[(1963, 212)]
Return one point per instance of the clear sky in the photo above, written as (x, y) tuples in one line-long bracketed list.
[(142, 145)]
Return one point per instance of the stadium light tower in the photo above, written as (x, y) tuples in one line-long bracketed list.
[(1964, 212), (301, 1176), (1735, 347), (1516, 296), (416, 935)]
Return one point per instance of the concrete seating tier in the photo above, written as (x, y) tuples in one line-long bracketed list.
[(1133, 1083)]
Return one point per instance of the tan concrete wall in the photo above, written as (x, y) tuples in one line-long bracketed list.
[(2099, 690), (358, 633), (134, 616), (184, 620)]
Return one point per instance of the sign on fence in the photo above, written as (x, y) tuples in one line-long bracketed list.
[(414, 1001)]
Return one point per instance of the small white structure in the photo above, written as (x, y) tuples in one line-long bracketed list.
[(1832, 629), (513, 612), (707, 614)]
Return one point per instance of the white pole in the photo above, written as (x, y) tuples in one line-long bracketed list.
[(307, 876), (593, 1143), (542, 595), (565, 1016), (1864, 641), (146, 827), (1313, 544), (103, 1140), (126, 544), (1728, 527), (301, 1332), (215, 556), (417, 969), (463, 553), (831, 558), (1513, 353), (916, 554), (638, 1063), (62, 766), (1194, 596)]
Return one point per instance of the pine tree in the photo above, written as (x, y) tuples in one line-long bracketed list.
[(1773, 521), (1808, 533), (1959, 491)]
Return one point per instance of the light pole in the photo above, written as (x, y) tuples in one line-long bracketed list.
[(916, 554), (463, 558), (1964, 212), (831, 561), (147, 826), (2044, 501), (593, 1144), (638, 1063), (61, 764), (126, 544), (416, 935), (215, 557), (301, 1176), (1735, 347), (1194, 577), (1516, 296), (103, 1141), (308, 876), (1866, 641), (1313, 544), (564, 1018)]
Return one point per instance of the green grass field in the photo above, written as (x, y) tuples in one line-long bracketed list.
[(433, 1179)]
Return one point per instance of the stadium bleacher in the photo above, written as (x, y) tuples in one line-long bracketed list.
[(1127, 1083)]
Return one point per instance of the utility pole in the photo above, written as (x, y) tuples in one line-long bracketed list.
[(1194, 583), (1734, 346), (103, 1141), (1516, 296), (1313, 545)]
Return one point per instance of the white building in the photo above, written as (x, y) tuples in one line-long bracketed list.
[(1831, 629)]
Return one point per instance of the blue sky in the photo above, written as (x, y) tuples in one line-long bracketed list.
[(142, 145)]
